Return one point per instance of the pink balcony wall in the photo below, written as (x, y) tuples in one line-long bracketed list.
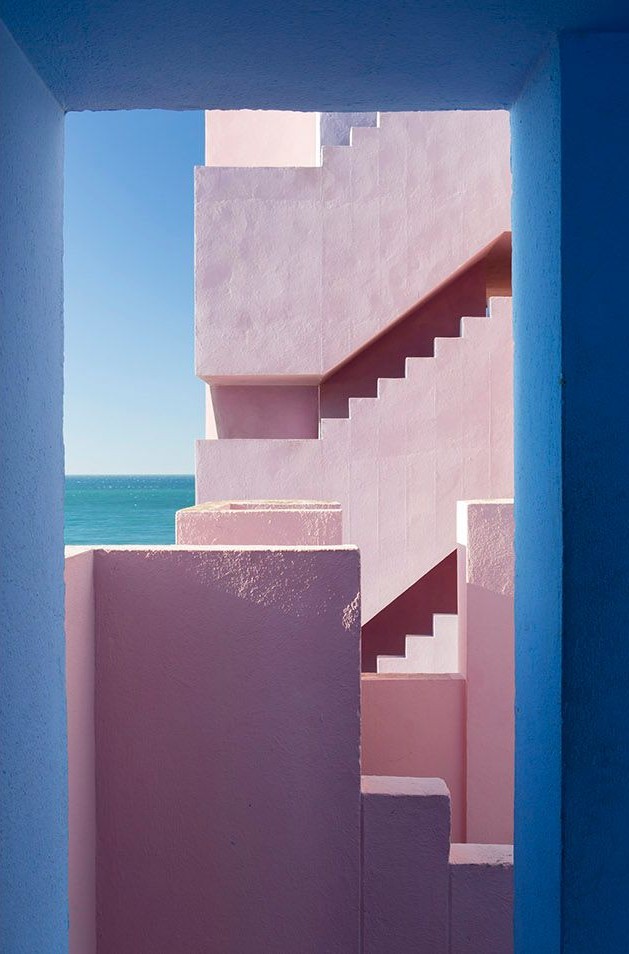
[(414, 725), (255, 137), (301, 267), (486, 590), (260, 522)]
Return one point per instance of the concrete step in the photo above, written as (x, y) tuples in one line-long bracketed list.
[(436, 653)]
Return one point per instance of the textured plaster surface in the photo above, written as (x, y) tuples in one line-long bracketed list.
[(33, 774), (485, 532), (248, 137), (304, 266), (275, 523), (406, 839), (538, 394), (227, 747), (355, 56), (266, 411), (414, 725), (400, 462), (481, 899), (80, 649)]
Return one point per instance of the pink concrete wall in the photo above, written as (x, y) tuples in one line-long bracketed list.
[(256, 137), (81, 752), (401, 461), (414, 725), (261, 522), (413, 336), (481, 899), (486, 587), (265, 411), (227, 741), (302, 267), (411, 612), (406, 838)]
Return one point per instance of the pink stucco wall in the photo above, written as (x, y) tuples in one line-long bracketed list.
[(80, 645), (400, 462), (406, 838), (486, 590), (263, 522), (255, 137), (302, 267), (227, 746), (414, 725), (481, 899), (267, 411)]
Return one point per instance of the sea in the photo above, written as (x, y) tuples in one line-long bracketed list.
[(125, 509)]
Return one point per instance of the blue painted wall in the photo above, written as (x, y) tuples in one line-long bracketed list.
[(571, 205), (536, 161), (595, 346), (33, 801)]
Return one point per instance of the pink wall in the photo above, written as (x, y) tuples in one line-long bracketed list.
[(406, 838), (411, 612), (414, 725), (265, 411), (277, 269), (255, 137), (401, 461), (81, 756), (412, 336), (481, 899), (486, 588), (261, 522), (227, 740)]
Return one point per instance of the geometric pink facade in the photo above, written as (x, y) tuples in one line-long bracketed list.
[(236, 783)]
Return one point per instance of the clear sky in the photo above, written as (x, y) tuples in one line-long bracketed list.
[(132, 403)]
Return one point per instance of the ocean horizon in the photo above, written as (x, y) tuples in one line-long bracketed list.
[(124, 508)]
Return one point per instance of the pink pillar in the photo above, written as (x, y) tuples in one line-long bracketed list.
[(227, 740), (481, 899), (414, 725), (406, 835), (486, 584), (81, 759)]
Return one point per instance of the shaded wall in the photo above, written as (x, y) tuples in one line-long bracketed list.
[(33, 786)]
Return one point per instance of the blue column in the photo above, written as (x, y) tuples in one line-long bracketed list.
[(571, 207), (33, 799)]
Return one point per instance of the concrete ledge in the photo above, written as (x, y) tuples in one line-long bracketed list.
[(261, 522)]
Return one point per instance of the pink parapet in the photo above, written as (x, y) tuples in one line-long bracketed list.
[(485, 531), (261, 522)]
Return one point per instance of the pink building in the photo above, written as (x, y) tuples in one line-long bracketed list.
[(239, 782)]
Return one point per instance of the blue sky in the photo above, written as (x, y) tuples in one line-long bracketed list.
[(132, 403)]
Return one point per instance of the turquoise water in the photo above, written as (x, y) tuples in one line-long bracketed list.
[(124, 509)]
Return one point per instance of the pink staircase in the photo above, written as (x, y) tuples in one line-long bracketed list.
[(401, 460)]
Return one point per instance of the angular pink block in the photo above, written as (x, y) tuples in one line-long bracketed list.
[(227, 751), (414, 725), (261, 522), (406, 840), (481, 899), (486, 588)]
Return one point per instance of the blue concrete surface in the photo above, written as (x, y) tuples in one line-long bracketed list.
[(33, 797), (537, 322), (330, 54)]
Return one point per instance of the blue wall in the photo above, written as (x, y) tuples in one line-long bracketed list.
[(536, 158), (595, 345), (33, 801), (571, 206)]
